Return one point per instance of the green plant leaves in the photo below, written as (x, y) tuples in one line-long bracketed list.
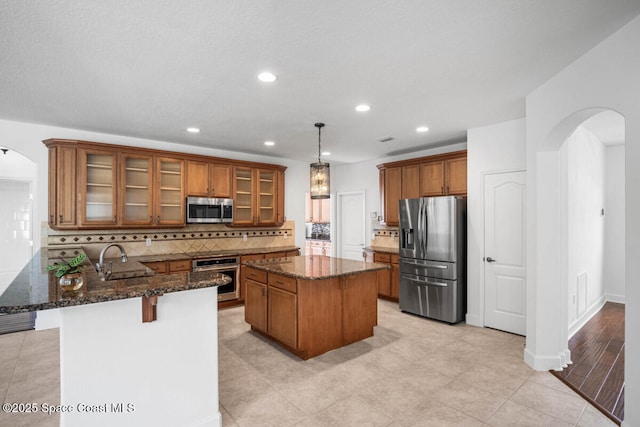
[(72, 266)]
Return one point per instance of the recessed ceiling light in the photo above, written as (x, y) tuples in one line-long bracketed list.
[(422, 129), (193, 130), (267, 77), (326, 153), (363, 108), (269, 143)]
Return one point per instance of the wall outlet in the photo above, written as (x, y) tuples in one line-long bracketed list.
[(286, 236), (148, 241), (244, 237)]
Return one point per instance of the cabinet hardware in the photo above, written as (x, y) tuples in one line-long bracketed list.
[(442, 190), (114, 219), (60, 218), (158, 220)]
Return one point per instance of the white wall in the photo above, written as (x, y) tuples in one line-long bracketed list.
[(490, 149), (26, 138), (614, 236), (585, 172), (554, 110)]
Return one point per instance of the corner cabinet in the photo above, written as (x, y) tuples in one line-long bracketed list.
[(258, 200), (440, 175)]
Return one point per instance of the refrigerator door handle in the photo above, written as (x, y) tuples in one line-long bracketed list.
[(427, 282), (423, 264)]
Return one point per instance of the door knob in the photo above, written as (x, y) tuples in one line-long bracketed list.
[(489, 259)]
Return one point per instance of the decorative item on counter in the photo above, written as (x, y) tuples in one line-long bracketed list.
[(320, 176), (70, 272)]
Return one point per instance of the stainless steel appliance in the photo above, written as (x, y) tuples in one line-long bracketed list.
[(208, 210), (229, 266), (433, 257)]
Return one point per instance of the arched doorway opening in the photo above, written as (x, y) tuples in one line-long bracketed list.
[(591, 225), (17, 185)]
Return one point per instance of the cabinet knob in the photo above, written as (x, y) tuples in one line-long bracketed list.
[(158, 220), (150, 219)]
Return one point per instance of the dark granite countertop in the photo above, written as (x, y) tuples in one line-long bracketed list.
[(315, 267), (395, 251), (36, 289)]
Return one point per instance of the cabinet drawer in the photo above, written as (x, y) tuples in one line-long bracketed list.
[(182, 265), (159, 267), (380, 257), (257, 275), (282, 282)]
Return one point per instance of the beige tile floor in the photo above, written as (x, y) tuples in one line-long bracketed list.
[(412, 372)]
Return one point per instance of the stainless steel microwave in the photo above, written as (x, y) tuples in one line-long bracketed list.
[(203, 210)]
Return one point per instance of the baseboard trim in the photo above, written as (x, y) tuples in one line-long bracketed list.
[(474, 320), (579, 323), (543, 363)]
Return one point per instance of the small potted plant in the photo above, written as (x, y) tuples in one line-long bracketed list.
[(69, 272)]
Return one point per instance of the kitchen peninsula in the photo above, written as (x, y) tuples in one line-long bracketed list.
[(312, 304), (116, 369)]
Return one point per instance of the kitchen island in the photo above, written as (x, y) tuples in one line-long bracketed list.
[(312, 304), (116, 368)]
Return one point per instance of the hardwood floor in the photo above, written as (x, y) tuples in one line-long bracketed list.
[(597, 351)]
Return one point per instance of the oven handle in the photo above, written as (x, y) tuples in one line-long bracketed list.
[(209, 268)]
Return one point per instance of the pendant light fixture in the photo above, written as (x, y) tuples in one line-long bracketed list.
[(319, 187)]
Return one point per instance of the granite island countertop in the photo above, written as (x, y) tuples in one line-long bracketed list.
[(315, 267), (36, 289)]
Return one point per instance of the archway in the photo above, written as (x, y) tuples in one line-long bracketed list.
[(18, 175)]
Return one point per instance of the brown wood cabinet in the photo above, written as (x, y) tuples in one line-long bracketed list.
[(208, 179), (391, 191), (317, 210), (166, 267), (388, 280), (410, 182), (94, 185), (311, 317), (252, 273), (63, 172), (256, 196), (255, 303), (439, 175), (97, 187)]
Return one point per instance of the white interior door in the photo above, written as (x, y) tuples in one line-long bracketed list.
[(504, 251), (350, 230)]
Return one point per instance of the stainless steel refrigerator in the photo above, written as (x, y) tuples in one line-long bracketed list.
[(433, 257)]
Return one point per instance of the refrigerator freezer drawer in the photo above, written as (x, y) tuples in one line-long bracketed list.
[(421, 267), (434, 298)]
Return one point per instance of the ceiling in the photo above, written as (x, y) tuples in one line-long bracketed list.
[(152, 68)]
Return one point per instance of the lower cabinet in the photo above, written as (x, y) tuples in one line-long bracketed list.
[(166, 267), (255, 301), (388, 280), (311, 317)]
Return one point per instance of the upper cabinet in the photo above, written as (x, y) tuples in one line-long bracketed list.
[(256, 196), (440, 175), (317, 210), (208, 179), (169, 192), (97, 187), (93, 185), (63, 167)]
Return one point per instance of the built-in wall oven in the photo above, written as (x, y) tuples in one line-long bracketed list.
[(229, 266)]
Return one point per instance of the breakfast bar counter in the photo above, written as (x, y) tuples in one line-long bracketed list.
[(312, 304), (116, 368)]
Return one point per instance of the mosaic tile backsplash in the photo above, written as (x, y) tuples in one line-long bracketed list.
[(192, 238)]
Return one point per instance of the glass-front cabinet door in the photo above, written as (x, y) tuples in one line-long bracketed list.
[(266, 196), (136, 195), (98, 174), (170, 198), (243, 189)]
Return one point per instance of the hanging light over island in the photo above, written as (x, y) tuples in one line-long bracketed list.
[(319, 183)]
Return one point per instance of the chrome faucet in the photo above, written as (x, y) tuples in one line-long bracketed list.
[(104, 274)]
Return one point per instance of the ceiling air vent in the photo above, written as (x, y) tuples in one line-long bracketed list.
[(385, 139)]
